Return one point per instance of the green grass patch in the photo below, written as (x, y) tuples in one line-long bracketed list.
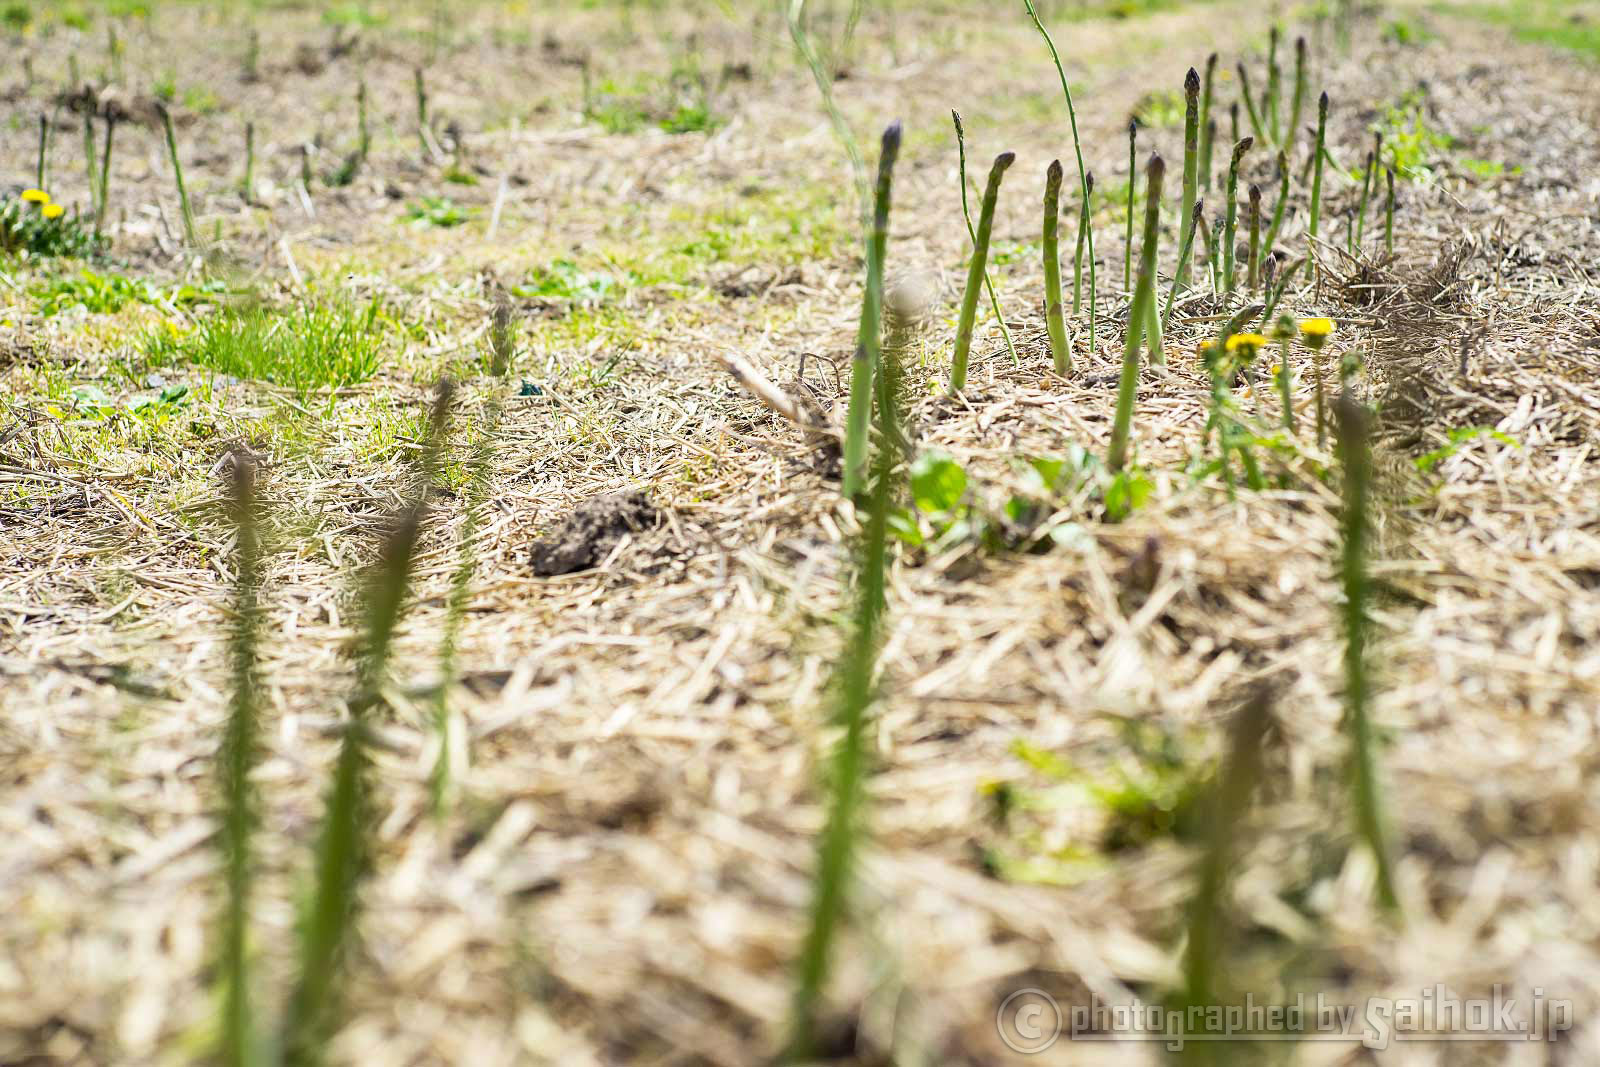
[(1405, 33), (16, 16), (1083, 10), (1486, 168), (314, 346), (1540, 22), (358, 16), (1160, 109), (563, 281), (675, 105), (437, 211), (1147, 792), (784, 224), (1413, 146), (107, 294)]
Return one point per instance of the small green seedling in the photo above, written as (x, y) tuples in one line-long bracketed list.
[(439, 212)]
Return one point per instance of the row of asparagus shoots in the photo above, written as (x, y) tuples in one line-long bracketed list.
[(1229, 800), (97, 157), (344, 851), (875, 388), (1256, 272), (314, 1010)]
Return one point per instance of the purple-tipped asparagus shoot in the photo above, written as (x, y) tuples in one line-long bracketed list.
[(1055, 320), (975, 269), (1139, 314)]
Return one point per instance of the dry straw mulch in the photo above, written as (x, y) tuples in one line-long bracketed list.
[(625, 877)]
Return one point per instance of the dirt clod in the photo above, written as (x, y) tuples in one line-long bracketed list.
[(593, 529)]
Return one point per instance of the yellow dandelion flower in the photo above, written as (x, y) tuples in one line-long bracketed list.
[(52, 211), (1316, 329), (35, 196), (1249, 342)]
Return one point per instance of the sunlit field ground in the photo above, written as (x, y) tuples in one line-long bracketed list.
[(500, 565)]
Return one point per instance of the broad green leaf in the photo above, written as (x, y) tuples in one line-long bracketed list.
[(937, 482)]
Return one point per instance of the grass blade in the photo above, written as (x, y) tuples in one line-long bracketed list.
[(1077, 144)]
